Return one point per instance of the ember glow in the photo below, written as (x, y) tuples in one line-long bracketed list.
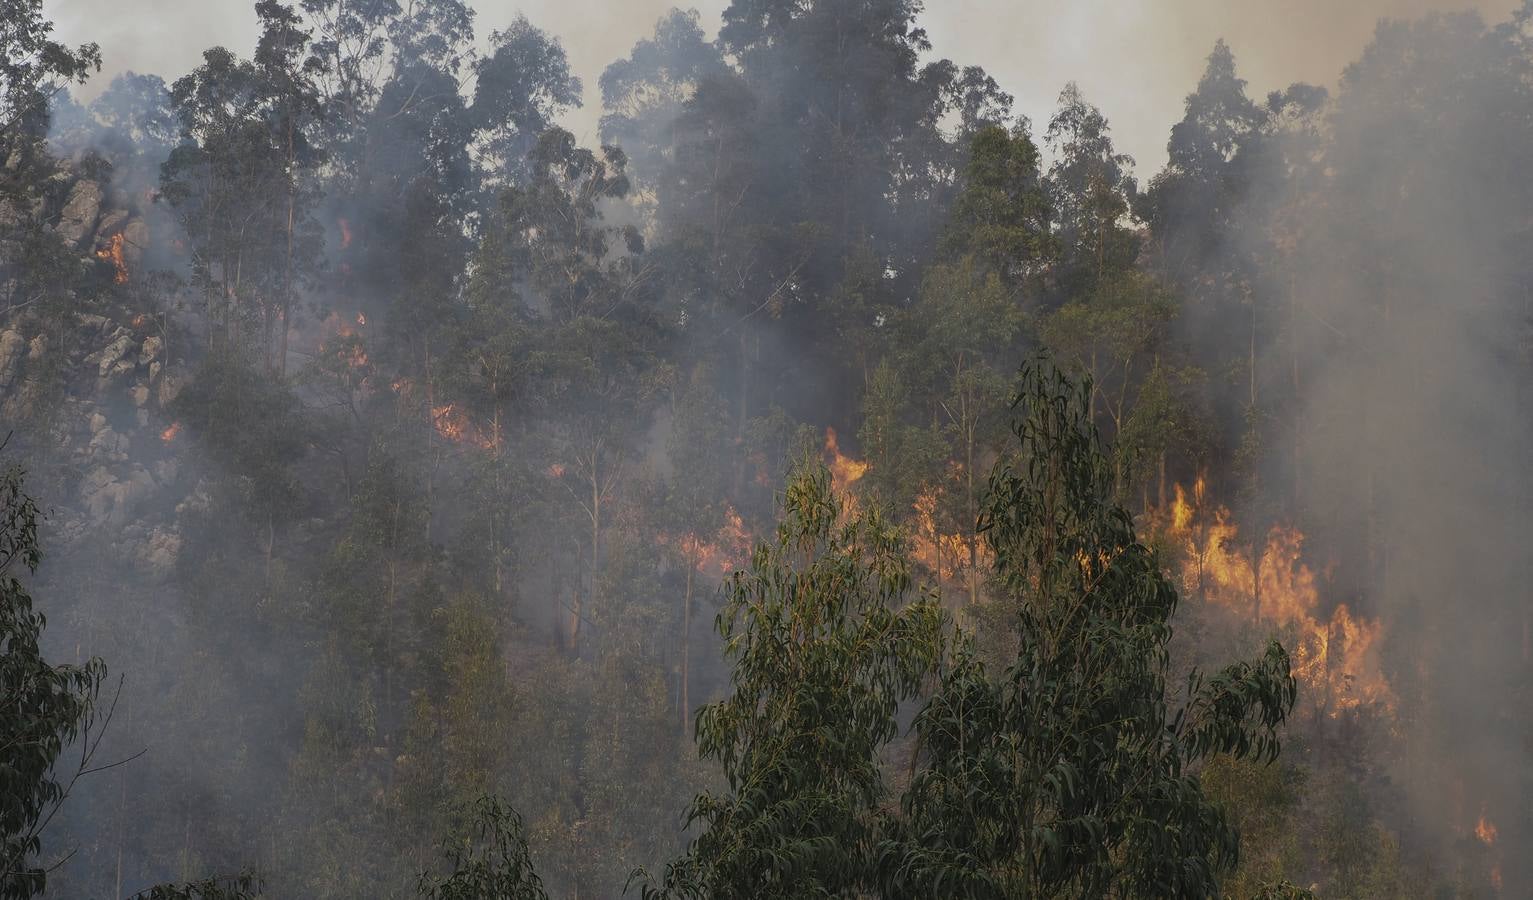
[(170, 432), (454, 424), (1336, 656), (1486, 830), (345, 226)]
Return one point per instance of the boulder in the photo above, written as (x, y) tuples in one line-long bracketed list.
[(107, 358), (135, 237), (81, 210), (150, 350), (170, 388), (110, 500), (111, 222), (161, 551)]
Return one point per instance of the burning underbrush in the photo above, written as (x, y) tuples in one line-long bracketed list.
[(1269, 584)]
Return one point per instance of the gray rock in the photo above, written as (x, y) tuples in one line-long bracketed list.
[(111, 501), (151, 350), (109, 356), (81, 210), (161, 551), (111, 222), (107, 443), (135, 240), (170, 388)]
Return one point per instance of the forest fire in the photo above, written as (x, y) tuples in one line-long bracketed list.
[(941, 552), (1337, 657), (844, 471), (113, 253), (455, 425), (170, 432), (724, 553), (345, 226), (1486, 830)]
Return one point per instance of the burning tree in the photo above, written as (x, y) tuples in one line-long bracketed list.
[(1060, 776)]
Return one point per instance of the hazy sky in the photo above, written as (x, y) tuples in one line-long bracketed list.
[(1136, 59)]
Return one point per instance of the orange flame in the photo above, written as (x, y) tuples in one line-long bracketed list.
[(946, 554), (555, 471), (726, 550), (1337, 656), (455, 425), (844, 471), (113, 253), (1486, 830), (345, 233), (169, 434)]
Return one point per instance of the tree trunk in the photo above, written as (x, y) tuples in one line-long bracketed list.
[(686, 653), (287, 269)]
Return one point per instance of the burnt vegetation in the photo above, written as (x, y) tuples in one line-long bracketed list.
[(832, 485)]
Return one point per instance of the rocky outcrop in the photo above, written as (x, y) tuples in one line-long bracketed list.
[(95, 390), (82, 211)]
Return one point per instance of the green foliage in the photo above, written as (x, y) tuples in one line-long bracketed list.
[(47, 707), (34, 69), (825, 646), (490, 859), (1002, 215), (244, 886), (1262, 803), (1069, 773), (252, 426)]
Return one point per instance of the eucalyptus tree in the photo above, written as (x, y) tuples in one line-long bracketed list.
[(242, 183), (48, 707), (34, 70), (826, 640), (1062, 765), (520, 88)]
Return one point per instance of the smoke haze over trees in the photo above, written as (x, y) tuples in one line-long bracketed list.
[(821, 478)]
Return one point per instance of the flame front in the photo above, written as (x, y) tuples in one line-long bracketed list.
[(455, 425), (844, 471), (1337, 656), (723, 552), (169, 434), (113, 253)]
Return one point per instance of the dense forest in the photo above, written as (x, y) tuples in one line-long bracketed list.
[(832, 485)]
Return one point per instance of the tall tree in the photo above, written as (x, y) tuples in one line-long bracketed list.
[(34, 69), (48, 706), (825, 644), (1064, 768)]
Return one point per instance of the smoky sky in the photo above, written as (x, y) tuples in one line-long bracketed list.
[(1136, 59)]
